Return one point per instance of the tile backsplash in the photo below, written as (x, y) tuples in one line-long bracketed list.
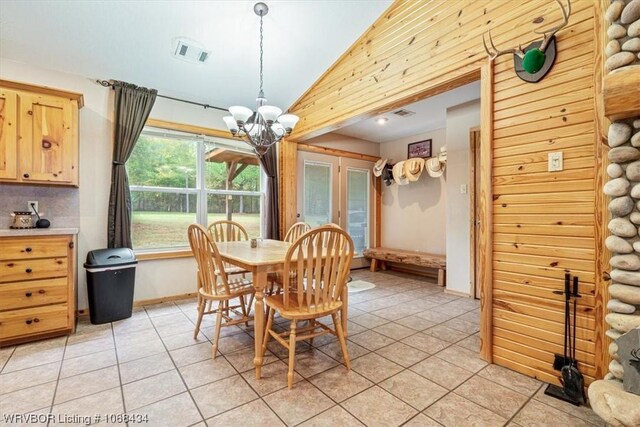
[(60, 205)]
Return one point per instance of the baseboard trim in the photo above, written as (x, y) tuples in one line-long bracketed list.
[(141, 303), (457, 293)]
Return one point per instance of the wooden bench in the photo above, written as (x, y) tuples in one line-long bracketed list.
[(399, 256)]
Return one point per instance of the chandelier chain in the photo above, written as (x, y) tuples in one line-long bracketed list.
[(266, 126), (261, 54)]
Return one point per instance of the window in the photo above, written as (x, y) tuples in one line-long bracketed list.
[(177, 179)]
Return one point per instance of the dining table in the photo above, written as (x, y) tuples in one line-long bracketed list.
[(267, 257)]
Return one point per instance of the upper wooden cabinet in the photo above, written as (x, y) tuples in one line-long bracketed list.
[(8, 135), (38, 134)]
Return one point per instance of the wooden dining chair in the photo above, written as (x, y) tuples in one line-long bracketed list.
[(315, 273), (227, 231), (295, 231), (215, 285)]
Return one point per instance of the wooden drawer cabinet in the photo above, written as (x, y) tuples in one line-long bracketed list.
[(37, 287), (28, 269), (33, 293), (38, 134), (30, 249), (32, 321)]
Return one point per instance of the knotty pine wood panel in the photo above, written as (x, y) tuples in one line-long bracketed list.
[(542, 350), (550, 283), (446, 51), (522, 315), (527, 165), (526, 274), (579, 208), (548, 124), (543, 219), (572, 197), (536, 331), (445, 33), (537, 291), (534, 135), (539, 358), (537, 218), (535, 177), (556, 263), (535, 104), (544, 114), (546, 230), (556, 274), (542, 250), (542, 148), (544, 303)]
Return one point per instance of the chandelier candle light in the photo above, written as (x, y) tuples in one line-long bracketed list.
[(267, 126)]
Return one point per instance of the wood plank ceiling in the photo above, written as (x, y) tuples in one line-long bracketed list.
[(543, 223)]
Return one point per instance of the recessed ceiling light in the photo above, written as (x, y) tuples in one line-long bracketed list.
[(382, 120)]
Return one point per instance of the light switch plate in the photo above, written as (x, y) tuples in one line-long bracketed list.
[(555, 161), (463, 189)]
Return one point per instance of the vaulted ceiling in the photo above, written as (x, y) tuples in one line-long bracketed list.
[(133, 41)]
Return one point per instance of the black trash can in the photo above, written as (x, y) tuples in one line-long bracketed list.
[(111, 276)]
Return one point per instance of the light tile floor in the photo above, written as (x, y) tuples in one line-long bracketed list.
[(414, 352)]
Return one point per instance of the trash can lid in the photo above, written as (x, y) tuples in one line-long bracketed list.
[(110, 257)]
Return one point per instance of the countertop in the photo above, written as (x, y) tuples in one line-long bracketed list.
[(31, 232)]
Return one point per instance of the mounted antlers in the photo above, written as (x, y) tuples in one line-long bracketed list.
[(494, 52), (533, 58), (552, 31)]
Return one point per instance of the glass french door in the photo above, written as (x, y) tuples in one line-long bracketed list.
[(357, 203), (338, 190), (318, 196)]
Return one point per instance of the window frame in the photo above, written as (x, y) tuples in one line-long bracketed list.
[(201, 139)]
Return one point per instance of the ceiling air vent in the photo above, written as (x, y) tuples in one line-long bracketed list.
[(190, 51), (404, 113)]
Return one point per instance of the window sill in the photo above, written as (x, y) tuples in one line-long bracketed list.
[(179, 253)]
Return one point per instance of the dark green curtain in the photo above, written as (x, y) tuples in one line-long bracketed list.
[(269, 163), (132, 106)]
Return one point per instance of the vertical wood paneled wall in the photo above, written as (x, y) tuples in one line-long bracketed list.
[(542, 223)]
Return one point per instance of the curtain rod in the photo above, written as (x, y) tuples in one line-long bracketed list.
[(107, 83)]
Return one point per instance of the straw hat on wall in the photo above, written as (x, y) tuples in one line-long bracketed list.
[(436, 165), (398, 174), (379, 167), (413, 168)]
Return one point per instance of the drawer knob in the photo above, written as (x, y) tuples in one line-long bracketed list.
[(28, 294), (28, 270), (30, 321), (26, 175), (41, 291), (28, 250)]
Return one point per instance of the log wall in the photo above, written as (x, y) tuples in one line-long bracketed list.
[(541, 223)]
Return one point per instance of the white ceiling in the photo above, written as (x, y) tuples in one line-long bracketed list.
[(431, 114), (132, 41)]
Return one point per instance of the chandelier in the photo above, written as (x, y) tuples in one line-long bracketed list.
[(267, 126)]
